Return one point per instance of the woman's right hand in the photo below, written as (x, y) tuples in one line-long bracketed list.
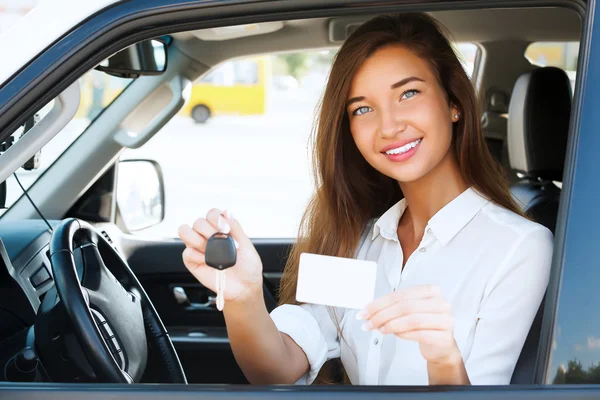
[(244, 280)]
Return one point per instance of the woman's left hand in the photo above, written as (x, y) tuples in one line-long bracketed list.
[(418, 313)]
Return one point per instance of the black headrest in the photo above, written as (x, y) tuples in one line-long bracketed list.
[(538, 123)]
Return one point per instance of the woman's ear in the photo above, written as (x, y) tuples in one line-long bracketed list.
[(455, 113)]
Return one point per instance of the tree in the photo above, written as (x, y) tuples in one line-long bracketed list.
[(574, 373), (296, 62)]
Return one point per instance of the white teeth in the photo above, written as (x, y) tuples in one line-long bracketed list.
[(404, 148)]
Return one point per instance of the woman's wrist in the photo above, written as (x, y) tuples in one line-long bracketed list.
[(450, 371), (252, 299)]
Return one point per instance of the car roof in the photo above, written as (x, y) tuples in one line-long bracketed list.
[(49, 21), (526, 25)]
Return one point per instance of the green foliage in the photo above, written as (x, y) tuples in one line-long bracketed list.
[(574, 373), (298, 64)]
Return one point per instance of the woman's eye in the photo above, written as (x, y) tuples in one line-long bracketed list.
[(409, 93), (361, 110)]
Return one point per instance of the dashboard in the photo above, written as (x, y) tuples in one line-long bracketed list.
[(25, 280), (24, 247), (27, 294)]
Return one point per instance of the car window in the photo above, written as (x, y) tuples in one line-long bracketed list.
[(241, 142), (555, 54), (243, 72), (467, 53), (97, 91)]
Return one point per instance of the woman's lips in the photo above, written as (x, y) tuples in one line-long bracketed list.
[(403, 156)]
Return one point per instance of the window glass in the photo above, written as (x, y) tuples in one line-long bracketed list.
[(555, 54), (241, 142), (467, 52), (243, 72), (98, 90)]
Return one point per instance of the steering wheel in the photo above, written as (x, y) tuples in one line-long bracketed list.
[(110, 314)]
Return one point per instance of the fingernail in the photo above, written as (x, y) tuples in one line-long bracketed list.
[(382, 329), (361, 315), (223, 226), (229, 214), (367, 326), (237, 245)]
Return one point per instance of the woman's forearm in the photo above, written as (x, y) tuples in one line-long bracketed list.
[(264, 354), (453, 373)]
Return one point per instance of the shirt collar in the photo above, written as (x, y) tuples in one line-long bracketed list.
[(445, 224), (387, 224)]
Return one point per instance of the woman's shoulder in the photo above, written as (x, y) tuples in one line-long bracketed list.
[(523, 247), (517, 226)]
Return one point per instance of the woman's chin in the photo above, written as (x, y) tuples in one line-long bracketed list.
[(407, 173)]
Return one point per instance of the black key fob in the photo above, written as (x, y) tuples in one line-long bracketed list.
[(220, 251)]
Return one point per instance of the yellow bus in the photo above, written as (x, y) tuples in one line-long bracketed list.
[(235, 87)]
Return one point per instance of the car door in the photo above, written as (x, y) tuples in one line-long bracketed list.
[(256, 166), (187, 308), (575, 253)]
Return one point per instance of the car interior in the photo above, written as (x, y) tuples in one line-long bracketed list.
[(526, 110)]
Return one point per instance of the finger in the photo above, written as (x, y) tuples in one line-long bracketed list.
[(195, 263), (191, 238), (219, 220), (414, 292), (436, 322), (235, 228), (193, 258), (226, 223), (408, 307), (204, 228), (428, 337), (216, 218), (207, 276)]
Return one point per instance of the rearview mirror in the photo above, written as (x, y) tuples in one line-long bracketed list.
[(140, 193), (148, 57)]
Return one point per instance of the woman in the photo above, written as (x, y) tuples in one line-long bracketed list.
[(404, 178)]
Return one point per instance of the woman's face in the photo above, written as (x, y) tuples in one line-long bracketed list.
[(399, 116)]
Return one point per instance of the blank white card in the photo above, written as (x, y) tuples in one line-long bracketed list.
[(336, 281)]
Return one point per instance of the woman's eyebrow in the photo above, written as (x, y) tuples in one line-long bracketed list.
[(354, 100), (404, 81), (398, 84)]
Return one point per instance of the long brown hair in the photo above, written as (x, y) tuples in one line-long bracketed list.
[(349, 192)]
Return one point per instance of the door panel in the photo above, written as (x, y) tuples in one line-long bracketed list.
[(187, 308), (325, 392)]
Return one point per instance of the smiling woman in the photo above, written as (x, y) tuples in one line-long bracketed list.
[(456, 273), (404, 178)]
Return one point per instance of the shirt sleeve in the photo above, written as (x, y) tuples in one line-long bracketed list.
[(510, 303), (313, 329)]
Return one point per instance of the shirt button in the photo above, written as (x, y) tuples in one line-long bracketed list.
[(429, 230), (422, 249), (376, 341)]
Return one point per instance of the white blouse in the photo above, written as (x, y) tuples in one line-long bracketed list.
[(492, 265)]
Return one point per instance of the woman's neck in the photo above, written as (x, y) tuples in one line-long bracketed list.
[(426, 196)]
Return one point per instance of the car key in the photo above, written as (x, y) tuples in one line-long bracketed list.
[(220, 254)]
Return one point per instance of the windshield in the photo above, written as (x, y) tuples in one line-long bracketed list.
[(97, 90)]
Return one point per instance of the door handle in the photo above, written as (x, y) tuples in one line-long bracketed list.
[(182, 298)]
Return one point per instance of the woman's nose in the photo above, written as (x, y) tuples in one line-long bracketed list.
[(391, 124)]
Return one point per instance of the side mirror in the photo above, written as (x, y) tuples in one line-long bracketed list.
[(148, 57), (140, 193)]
